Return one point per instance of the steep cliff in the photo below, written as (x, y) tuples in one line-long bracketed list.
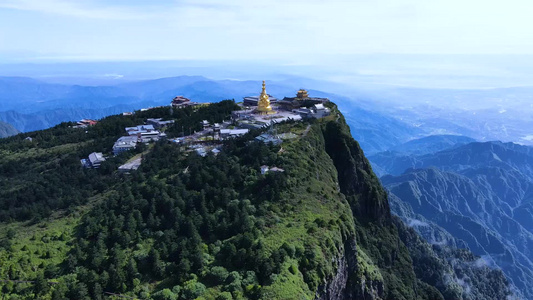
[(404, 265)]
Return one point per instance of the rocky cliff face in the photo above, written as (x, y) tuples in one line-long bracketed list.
[(356, 179), (339, 286), (347, 282), (387, 260)]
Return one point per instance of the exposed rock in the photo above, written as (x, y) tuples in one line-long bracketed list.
[(339, 286), (345, 284)]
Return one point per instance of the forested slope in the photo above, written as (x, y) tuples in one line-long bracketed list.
[(185, 226)]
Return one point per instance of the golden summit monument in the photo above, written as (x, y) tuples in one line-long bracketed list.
[(263, 105)]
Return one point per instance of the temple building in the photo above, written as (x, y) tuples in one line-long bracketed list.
[(264, 114), (85, 123), (180, 101), (302, 98), (317, 111), (254, 100), (302, 94)]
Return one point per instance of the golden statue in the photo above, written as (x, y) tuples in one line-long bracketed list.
[(263, 105)]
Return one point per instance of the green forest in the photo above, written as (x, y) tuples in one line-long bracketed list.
[(190, 227)]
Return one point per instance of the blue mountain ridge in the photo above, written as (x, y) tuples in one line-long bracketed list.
[(29, 104), (480, 193)]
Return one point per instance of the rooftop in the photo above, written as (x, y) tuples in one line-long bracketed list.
[(234, 131), (96, 157), (126, 141), (131, 165)]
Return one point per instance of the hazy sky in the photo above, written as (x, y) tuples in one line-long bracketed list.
[(293, 31)]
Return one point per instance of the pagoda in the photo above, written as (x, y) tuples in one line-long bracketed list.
[(263, 105), (302, 94)]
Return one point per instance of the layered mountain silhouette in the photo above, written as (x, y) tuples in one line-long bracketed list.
[(479, 193), (7, 130), (432, 144), (30, 104)]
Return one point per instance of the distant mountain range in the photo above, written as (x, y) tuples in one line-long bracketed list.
[(478, 155), (29, 104), (431, 144), (503, 114), (377, 132), (479, 193), (7, 130), (400, 157), (380, 117)]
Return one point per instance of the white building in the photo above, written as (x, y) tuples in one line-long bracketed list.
[(276, 169), (145, 137), (201, 151), (94, 161), (124, 143), (145, 133), (317, 111), (321, 111), (228, 133), (264, 170)]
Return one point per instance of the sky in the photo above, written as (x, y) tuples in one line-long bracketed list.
[(295, 31)]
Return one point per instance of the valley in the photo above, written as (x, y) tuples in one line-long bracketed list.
[(478, 192)]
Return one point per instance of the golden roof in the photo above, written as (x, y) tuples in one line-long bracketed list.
[(302, 94)]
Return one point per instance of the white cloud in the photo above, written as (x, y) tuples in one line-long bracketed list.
[(297, 30), (114, 76), (416, 223), (73, 9)]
